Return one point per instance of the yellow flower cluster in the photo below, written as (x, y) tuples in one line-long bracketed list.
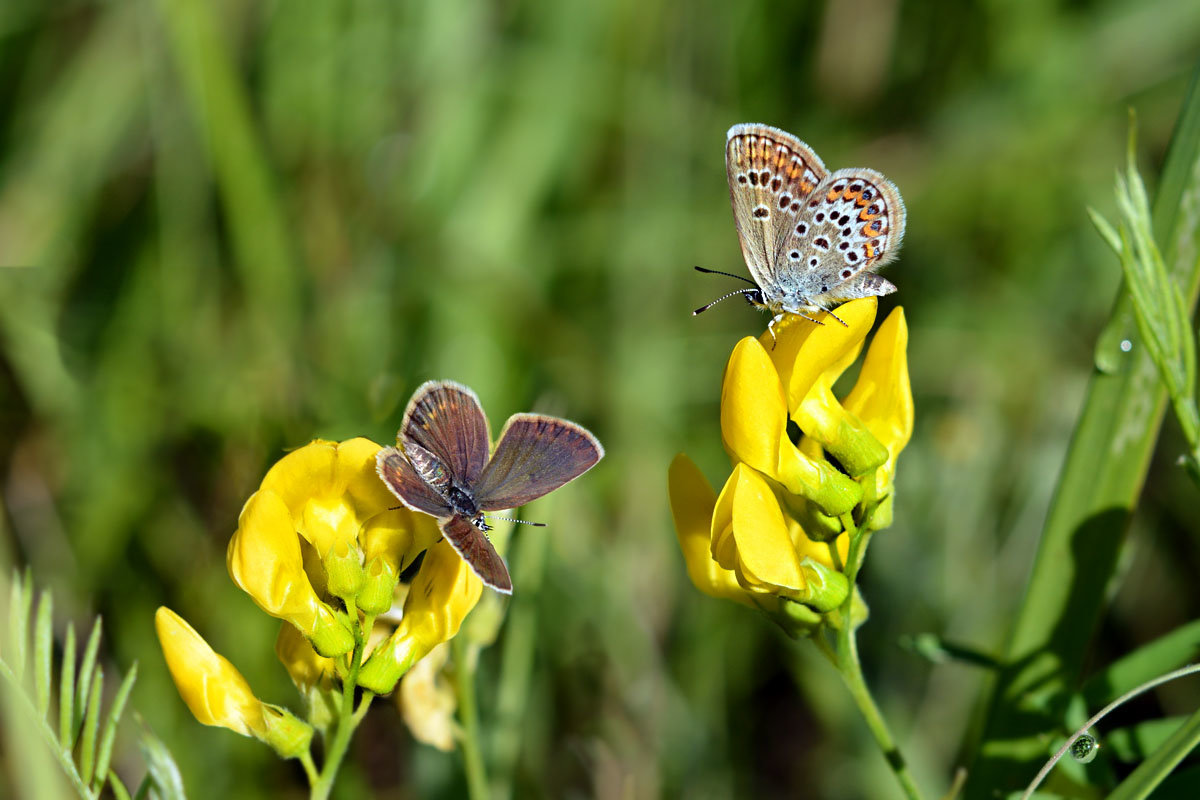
[(323, 526), (777, 531)]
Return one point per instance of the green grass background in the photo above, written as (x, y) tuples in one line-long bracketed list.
[(229, 227)]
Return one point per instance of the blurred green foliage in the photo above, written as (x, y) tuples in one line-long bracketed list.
[(229, 227)]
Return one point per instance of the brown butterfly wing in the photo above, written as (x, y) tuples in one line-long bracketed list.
[(446, 419), (474, 547), (536, 454)]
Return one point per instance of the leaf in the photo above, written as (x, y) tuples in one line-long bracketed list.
[(1146, 663), (1088, 518), (1154, 770), (163, 771)]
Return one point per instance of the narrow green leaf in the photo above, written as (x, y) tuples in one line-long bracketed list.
[(1132, 743), (1088, 518), (118, 788), (1152, 659), (91, 729), (1155, 769), (66, 692), (161, 766), (43, 653), (85, 675), (18, 619), (110, 725), (143, 790), (1106, 231)]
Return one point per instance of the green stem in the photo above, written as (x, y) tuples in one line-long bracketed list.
[(851, 669), (468, 712), (347, 720)]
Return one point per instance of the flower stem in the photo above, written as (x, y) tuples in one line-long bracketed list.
[(468, 711), (347, 720), (851, 669)]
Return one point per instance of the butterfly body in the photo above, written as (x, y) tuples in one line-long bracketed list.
[(441, 466), (811, 239)]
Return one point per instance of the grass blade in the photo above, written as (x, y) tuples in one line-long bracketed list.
[(85, 675), (1097, 491), (1147, 662), (110, 726), (1155, 769), (91, 729), (66, 693), (43, 653), (163, 771)]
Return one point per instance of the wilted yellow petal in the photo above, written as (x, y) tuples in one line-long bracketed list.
[(427, 702), (307, 667), (692, 503), (213, 689)]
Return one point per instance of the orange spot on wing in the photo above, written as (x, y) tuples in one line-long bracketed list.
[(870, 250)]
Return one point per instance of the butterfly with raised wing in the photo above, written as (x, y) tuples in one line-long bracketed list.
[(441, 466)]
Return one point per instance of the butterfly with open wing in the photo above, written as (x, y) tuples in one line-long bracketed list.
[(440, 466)]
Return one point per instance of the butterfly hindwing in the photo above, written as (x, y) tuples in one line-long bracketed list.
[(474, 547), (852, 224), (536, 454), (446, 420)]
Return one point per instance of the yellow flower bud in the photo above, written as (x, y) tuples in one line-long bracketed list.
[(213, 689), (442, 594), (804, 351)]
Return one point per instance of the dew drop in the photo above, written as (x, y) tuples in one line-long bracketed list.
[(1084, 748)]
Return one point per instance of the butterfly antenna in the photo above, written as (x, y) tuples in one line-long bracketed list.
[(522, 521), (708, 271), (723, 297)]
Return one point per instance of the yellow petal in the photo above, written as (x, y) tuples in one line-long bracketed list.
[(264, 559), (692, 503), (213, 689), (805, 350), (754, 415), (330, 489), (882, 397), (751, 537)]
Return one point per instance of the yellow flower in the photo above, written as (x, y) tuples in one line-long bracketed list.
[(754, 415), (213, 689), (217, 694), (427, 702), (324, 499), (767, 538), (442, 594)]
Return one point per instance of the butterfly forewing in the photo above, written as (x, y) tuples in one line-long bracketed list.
[(536, 454), (445, 419), (771, 175), (406, 484), (473, 546)]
